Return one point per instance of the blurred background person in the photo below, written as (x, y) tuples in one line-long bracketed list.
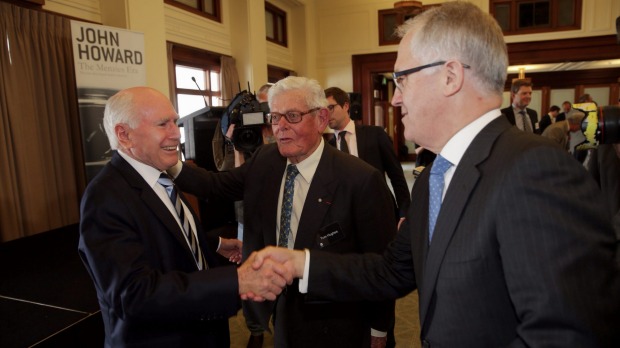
[(518, 113), (549, 118), (369, 143)]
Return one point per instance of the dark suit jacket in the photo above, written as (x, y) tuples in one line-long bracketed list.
[(545, 122), (561, 117), (522, 253), (148, 286), (604, 166), (510, 115), (346, 195), (375, 147)]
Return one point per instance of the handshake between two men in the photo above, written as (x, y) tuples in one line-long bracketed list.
[(265, 273)]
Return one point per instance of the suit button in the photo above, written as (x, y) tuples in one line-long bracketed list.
[(426, 344)]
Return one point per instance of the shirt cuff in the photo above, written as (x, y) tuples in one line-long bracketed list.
[(303, 282), (377, 333)]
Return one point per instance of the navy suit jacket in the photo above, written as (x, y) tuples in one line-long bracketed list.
[(375, 147), (522, 252), (510, 115), (346, 195), (149, 289)]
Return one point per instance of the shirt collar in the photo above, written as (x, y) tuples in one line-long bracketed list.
[(148, 173), (307, 167), (455, 148), (350, 127)]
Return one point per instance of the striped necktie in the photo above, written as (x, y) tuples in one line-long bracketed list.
[(188, 233)]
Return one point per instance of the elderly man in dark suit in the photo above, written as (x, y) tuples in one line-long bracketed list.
[(518, 114), (369, 143), (507, 240), (302, 193), (155, 270)]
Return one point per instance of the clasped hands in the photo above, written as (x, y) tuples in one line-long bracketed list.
[(265, 273)]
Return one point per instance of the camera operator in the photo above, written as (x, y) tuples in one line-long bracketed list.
[(241, 154), (604, 164)]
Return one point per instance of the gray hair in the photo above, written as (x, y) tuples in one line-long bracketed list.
[(118, 109), (314, 96), (575, 116), (462, 31)]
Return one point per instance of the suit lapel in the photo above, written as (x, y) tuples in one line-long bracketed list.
[(269, 208), (533, 118), (455, 201), (510, 114), (318, 200), (360, 137), (153, 202)]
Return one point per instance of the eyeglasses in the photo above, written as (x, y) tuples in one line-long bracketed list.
[(291, 116), (331, 107), (399, 76)]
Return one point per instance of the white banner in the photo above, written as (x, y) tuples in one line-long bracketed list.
[(106, 60)]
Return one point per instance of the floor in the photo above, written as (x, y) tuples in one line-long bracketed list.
[(406, 330), (407, 326)]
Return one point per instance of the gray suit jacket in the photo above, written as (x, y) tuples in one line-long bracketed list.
[(346, 195), (522, 253)]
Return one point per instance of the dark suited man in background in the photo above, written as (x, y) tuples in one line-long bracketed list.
[(521, 251), (370, 143), (518, 113), (549, 119), (566, 108), (155, 270), (374, 146), (302, 193)]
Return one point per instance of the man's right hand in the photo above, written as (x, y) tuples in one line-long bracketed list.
[(261, 283), (290, 263)]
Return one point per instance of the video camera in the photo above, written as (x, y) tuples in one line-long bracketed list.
[(600, 125), (248, 116)]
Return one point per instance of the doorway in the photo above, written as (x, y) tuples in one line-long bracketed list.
[(373, 80)]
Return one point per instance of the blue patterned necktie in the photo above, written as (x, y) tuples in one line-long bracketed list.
[(167, 183), (435, 187), (287, 205)]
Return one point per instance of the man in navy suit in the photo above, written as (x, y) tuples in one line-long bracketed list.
[(518, 113), (338, 204), (369, 143), (153, 287), (521, 251)]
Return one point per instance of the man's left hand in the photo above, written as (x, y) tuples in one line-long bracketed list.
[(230, 249), (378, 342)]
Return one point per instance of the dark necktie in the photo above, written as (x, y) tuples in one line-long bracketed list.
[(344, 147), (527, 125), (435, 187), (287, 206), (167, 183)]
